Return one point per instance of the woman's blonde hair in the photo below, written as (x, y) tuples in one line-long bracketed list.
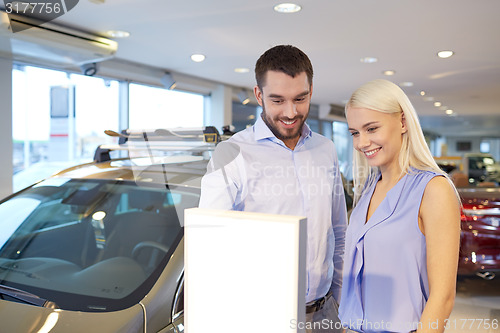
[(385, 96)]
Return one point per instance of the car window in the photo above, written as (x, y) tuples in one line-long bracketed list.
[(90, 245), (14, 213)]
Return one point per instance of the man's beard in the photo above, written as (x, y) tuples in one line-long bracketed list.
[(275, 130)]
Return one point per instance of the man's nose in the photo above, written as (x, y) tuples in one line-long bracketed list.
[(290, 110)]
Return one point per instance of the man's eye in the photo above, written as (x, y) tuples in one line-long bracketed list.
[(300, 99), (276, 101)]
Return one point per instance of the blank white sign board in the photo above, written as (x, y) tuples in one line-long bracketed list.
[(244, 272)]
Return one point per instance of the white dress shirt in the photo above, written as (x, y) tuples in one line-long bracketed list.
[(256, 172)]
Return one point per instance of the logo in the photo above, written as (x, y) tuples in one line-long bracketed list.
[(37, 13)]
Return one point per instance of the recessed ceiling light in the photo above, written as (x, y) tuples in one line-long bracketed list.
[(287, 8), (449, 111), (117, 34), (445, 54), (422, 93), (241, 70), (437, 104), (428, 99), (406, 84), (197, 57), (368, 60), (389, 72)]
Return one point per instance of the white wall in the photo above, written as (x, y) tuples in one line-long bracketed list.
[(451, 142)]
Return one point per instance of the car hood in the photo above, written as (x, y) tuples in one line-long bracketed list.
[(18, 317), (480, 196)]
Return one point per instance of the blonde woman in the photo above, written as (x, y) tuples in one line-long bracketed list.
[(402, 242)]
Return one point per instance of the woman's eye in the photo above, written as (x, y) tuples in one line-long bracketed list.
[(354, 133), (371, 129)]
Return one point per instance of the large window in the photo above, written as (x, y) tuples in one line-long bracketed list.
[(152, 108), (343, 144), (58, 120)]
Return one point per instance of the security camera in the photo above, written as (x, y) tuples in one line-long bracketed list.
[(89, 69)]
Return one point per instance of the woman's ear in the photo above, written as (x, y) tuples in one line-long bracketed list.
[(404, 129)]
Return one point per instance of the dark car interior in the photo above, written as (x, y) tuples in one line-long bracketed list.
[(101, 239)]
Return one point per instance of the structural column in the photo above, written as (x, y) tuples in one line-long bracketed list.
[(6, 166), (218, 109)]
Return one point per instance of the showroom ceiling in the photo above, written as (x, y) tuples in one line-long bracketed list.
[(403, 35)]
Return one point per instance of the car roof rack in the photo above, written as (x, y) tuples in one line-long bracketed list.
[(193, 140)]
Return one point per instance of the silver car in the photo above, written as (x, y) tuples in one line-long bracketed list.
[(98, 247)]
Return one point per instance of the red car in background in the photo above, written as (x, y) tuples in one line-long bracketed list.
[(480, 235)]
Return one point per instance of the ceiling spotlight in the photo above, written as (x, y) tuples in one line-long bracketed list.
[(437, 104), (241, 70), (243, 97), (406, 84), (168, 81), (368, 60), (197, 57), (422, 93), (389, 72), (287, 8), (89, 69), (445, 54), (449, 111)]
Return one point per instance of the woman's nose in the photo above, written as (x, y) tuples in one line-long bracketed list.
[(363, 141)]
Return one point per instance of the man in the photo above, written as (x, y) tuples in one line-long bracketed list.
[(279, 166)]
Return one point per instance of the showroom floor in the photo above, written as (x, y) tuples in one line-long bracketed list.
[(477, 306)]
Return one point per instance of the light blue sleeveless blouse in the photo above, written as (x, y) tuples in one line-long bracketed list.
[(385, 285)]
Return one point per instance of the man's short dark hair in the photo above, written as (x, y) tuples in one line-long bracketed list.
[(283, 58)]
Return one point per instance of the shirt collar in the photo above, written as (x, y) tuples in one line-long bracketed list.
[(263, 132)]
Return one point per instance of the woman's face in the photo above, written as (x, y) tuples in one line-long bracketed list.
[(378, 135)]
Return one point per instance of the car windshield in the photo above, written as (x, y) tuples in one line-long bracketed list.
[(90, 245)]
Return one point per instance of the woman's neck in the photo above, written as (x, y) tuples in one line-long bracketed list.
[(390, 174)]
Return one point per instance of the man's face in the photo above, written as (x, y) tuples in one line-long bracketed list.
[(285, 102)]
